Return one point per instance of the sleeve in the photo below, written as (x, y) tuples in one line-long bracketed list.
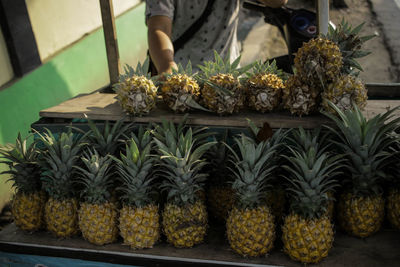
[(160, 8)]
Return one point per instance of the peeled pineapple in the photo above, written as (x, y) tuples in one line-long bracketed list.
[(136, 92)]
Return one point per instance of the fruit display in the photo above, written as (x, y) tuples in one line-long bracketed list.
[(365, 144), (59, 161), (250, 226), (307, 231), (97, 215), (29, 199), (136, 92), (139, 217)]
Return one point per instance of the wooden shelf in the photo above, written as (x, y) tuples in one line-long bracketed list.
[(100, 106)]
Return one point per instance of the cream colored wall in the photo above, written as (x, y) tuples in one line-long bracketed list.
[(57, 24), (6, 71)]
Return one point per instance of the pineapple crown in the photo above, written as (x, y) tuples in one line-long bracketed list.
[(60, 155), (303, 140), (22, 161), (140, 70), (350, 43), (310, 176), (260, 67), (394, 165), (135, 170), (181, 162), (107, 140), (182, 70), (251, 171), (365, 142), (94, 177)]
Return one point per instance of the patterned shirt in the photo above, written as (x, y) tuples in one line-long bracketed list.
[(218, 32)]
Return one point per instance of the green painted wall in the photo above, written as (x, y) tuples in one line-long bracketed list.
[(81, 68)]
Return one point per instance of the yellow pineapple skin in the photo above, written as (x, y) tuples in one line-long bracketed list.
[(223, 104), (177, 89), (345, 91), (307, 240), (98, 222), (360, 216), (139, 227), (185, 226), (393, 208), (220, 201), (137, 95), (318, 61), (251, 232), (28, 210), (264, 92), (299, 97), (62, 217)]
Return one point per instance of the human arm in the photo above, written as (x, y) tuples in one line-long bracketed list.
[(159, 29), (274, 3)]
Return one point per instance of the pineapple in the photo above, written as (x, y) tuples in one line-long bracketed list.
[(139, 217), (346, 88), (97, 215), (250, 226), (393, 207), (222, 92), (307, 232), (59, 159), (136, 92), (184, 216), (180, 91), (264, 87), (28, 203), (299, 97), (365, 144), (220, 193)]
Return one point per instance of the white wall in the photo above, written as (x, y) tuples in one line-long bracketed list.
[(6, 71), (58, 23)]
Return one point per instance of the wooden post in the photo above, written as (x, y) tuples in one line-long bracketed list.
[(110, 36), (323, 16)]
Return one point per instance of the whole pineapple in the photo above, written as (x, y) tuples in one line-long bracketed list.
[(139, 218), (136, 92), (346, 88), (365, 144), (307, 233), (180, 91), (250, 226), (29, 200), (184, 217), (59, 159), (222, 92), (264, 87), (97, 214)]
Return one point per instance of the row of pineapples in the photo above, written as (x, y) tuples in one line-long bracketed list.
[(325, 70), (118, 190)]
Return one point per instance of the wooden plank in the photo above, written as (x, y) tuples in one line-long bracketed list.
[(99, 106), (110, 36), (384, 90)]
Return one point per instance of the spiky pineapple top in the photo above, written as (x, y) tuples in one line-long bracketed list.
[(365, 142), (61, 155), (94, 177), (135, 170), (181, 162), (181, 91), (136, 91), (318, 61), (251, 171), (310, 175), (350, 44), (22, 161)]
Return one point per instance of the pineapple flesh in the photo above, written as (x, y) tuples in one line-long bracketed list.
[(250, 226), (97, 214), (27, 205), (139, 216), (136, 92)]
